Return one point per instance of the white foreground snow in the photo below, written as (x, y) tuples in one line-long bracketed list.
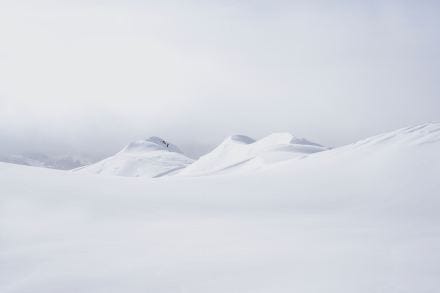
[(361, 218)]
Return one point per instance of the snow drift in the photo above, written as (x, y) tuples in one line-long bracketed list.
[(151, 157), (362, 218)]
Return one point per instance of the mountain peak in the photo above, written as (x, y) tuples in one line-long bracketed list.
[(153, 143)]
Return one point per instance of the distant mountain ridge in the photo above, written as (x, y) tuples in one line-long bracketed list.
[(45, 161)]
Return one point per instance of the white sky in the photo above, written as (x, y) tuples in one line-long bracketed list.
[(90, 76)]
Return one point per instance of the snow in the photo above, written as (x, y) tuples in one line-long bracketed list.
[(240, 153), (360, 218), (153, 157)]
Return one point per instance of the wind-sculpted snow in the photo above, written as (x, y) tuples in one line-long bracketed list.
[(241, 153), (152, 157), (362, 218)]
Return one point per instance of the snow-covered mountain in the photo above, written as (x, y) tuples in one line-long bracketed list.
[(155, 157), (242, 153), (152, 157), (360, 218)]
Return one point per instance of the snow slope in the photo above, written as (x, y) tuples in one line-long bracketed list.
[(242, 153), (363, 218), (151, 157)]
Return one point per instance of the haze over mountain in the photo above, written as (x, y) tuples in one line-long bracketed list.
[(61, 162), (198, 71)]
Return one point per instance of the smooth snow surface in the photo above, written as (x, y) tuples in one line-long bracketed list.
[(362, 218), (242, 153), (151, 157)]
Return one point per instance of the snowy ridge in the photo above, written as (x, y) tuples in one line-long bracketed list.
[(414, 135), (242, 153), (408, 137), (152, 157)]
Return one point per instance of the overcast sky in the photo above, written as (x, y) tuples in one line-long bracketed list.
[(90, 76)]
